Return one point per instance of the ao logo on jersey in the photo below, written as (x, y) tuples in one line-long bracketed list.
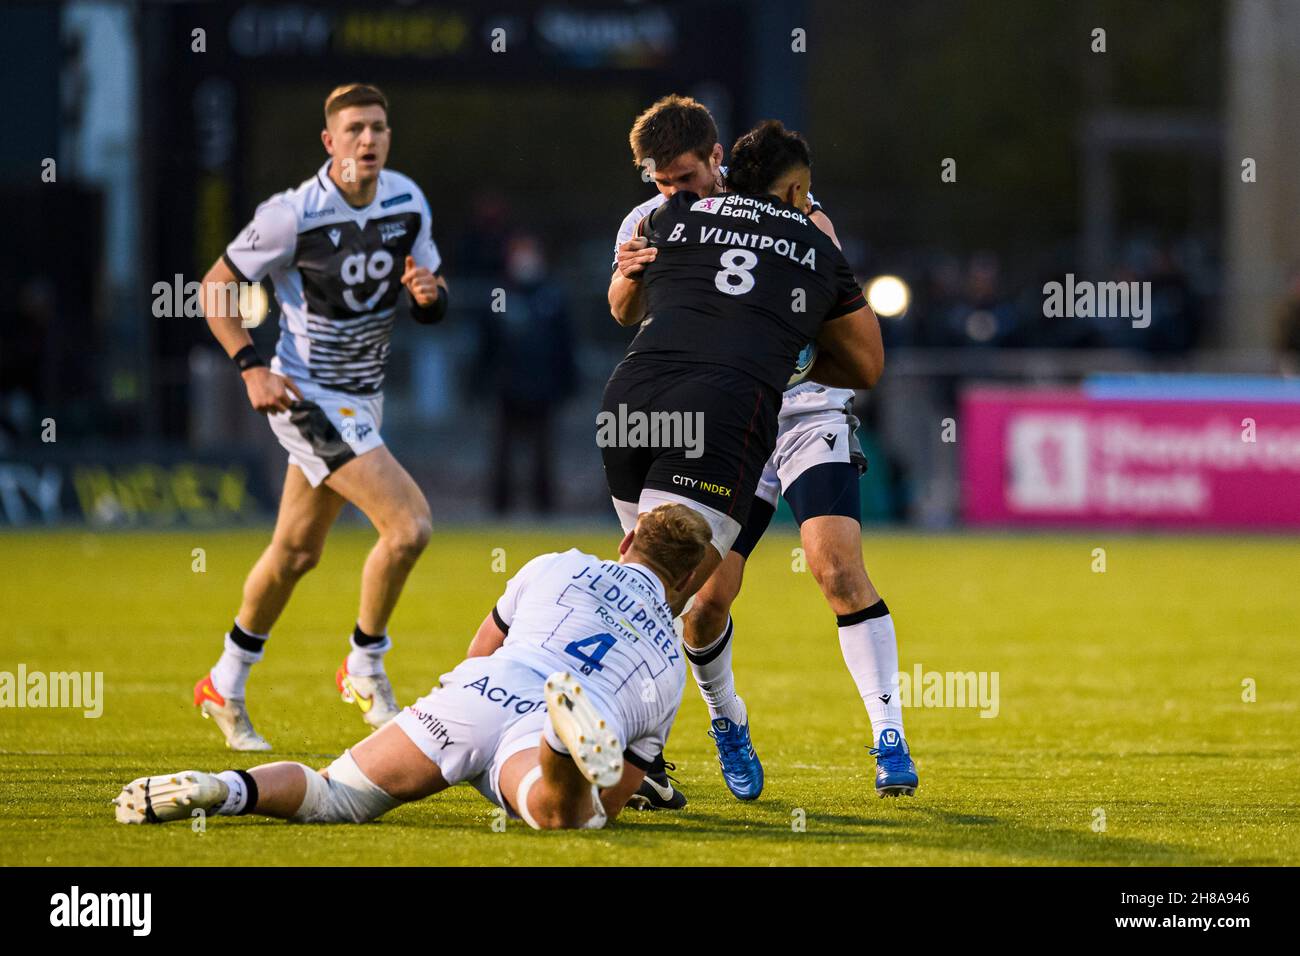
[(360, 267)]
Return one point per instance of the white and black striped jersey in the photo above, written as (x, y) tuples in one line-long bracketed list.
[(608, 621), (337, 273)]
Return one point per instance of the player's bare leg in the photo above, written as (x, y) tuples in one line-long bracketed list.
[(712, 560), (305, 518), (553, 790), (384, 770), (377, 484), (833, 547), (559, 798)]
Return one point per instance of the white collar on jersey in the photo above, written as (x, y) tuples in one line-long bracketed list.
[(361, 213), (645, 572)]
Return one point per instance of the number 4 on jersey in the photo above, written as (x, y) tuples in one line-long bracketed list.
[(600, 644)]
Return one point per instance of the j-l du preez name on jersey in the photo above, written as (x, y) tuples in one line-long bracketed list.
[(754, 240), (619, 594)]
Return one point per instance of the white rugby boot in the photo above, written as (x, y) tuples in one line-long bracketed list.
[(172, 796), (373, 695), (230, 716), (584, 730)]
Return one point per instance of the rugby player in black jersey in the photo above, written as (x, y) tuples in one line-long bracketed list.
[(737, 286)]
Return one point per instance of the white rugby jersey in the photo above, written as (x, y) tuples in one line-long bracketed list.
[(607, 621), (337, 273), (821, 399)]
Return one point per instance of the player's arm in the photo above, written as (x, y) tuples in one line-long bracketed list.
[(492, 632), (426, 288), (823, 222), (850, 353), (428, 292), (267, 391), (488, 638), (615, 798), (631, 256), (626, 303)]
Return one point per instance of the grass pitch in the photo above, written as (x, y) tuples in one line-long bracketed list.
[(1122, 736)]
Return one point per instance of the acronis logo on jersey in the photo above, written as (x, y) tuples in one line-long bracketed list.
[(395, 201)]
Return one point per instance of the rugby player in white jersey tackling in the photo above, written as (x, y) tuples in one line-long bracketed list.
[(816, 467), (344, 250), (515, 719)]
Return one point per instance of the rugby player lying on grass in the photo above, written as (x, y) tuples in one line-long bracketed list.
[(559, 751)]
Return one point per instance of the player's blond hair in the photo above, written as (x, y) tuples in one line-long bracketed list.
[(673, 538), (353, 94)]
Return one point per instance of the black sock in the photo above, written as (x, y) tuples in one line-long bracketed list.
[(362, 639), (250, 788), (244, 640), (879, 609)]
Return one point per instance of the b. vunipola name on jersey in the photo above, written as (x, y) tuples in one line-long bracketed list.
[(754, 240)]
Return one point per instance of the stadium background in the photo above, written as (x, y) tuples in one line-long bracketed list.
[(1117, 165), (1122, 690)]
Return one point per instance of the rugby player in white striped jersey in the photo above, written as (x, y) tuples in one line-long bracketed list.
[(347, 250)]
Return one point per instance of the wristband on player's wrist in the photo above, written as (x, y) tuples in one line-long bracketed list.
[(247, 358)]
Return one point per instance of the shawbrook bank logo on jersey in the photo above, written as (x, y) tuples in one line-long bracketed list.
[(638, 429), (746, 207)]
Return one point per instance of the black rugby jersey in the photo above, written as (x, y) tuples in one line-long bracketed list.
[(740, 281)]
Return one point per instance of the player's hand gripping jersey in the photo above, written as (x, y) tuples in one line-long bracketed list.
[(740, 281), (337, 273), (566, 611)]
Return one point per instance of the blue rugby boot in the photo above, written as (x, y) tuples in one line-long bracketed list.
[(895, 771), (741, 769)]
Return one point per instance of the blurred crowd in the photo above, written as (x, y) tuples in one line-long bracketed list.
[(982, 301)]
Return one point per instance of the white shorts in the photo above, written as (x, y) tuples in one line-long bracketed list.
[(725, 528), (813, 429), (486, 711), (327, 429)]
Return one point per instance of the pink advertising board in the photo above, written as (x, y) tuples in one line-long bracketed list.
[(1062, 458)]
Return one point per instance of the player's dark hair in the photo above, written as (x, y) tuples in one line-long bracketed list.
[(353, 94), (670, 127), (673, 538), (763, 155)]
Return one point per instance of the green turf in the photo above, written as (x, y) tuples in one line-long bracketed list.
[(1120, 692)]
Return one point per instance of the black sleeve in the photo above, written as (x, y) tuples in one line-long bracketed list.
[(429, 314), (653, 225), (847, 289)]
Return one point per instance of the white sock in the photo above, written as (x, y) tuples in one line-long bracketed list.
[(230, 673), (236, 794), (711, 667), (368, 660), (870, 650)]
